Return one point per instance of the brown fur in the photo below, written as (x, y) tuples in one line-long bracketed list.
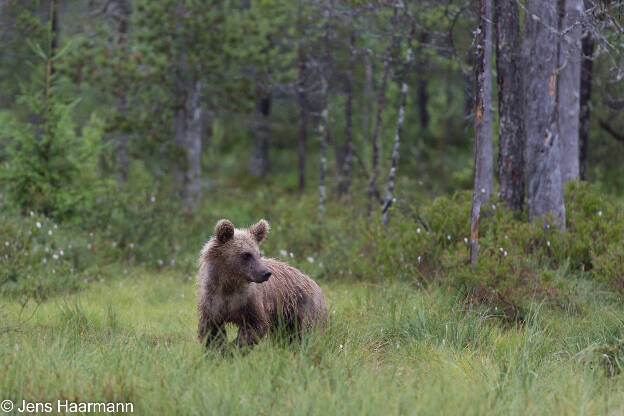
[(233, 287)]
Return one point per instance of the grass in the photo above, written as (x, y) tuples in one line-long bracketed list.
[(389, 349)]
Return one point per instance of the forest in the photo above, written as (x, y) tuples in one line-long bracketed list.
[(449, 172)]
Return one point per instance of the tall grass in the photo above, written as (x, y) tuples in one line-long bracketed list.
[(389, 349)]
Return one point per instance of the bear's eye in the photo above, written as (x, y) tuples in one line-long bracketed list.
[(246, 256)]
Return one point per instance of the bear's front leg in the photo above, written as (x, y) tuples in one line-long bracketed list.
[(249, 334), (208, 331)]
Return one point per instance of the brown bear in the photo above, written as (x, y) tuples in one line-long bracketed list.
[(237, 285)]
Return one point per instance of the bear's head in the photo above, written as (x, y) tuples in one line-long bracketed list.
[(234, 252)]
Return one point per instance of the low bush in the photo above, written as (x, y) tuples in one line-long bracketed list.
[(426, 241)]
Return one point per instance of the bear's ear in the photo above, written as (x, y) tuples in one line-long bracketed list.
[(224, 230), (259, 230)]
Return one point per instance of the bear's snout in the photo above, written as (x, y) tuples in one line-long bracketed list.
[(265, 275)]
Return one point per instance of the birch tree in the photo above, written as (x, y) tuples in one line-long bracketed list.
[(381, 99), (545, 191), (389, 199), (483, 163)]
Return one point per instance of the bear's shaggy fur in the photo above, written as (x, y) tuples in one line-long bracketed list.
[(237, 285)]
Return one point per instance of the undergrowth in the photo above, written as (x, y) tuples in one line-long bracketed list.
[(426, 242)]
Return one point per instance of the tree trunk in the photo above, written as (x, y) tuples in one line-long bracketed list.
[(569, 82), (259, 160), (510, 104), (389, 200), (587, 69), (381, 99), (483, 158), (469, 93), (120, 12), (423, 96), (545, 191), (345, 182), (121, 154), (324, 127), (369, 92), (53, 7), (187, 168), (303, 118)]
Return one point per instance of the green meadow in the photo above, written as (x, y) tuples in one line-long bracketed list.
[(389, 349)]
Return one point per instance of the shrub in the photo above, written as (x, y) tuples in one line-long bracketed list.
[(49, 168)]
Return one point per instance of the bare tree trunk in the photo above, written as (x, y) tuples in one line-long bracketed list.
[(345, 182), (302, 98), (259, 160), (369, 92), (53, 7), (120, 12), (303, 118), (510, 104), (569, 82), (423, 96), (587, 69), (187, 168), (399, 129), (469, 93), (121, 154), (545, 191), (324, 127), (381, 99), (483, 168)]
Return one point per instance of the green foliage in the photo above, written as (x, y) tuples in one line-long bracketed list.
[(139, 222), (50, 169), (426, 242)]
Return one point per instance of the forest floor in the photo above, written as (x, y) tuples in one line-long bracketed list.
[(396, 349)]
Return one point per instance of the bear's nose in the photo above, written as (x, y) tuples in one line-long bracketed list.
[(267, 273)]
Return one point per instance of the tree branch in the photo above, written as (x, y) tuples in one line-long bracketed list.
[(609, 129)]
